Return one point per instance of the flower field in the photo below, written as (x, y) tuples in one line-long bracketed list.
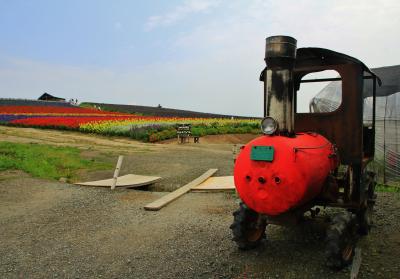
[(144, 128), (26, 110)]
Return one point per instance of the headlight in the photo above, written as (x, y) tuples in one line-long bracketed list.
[(268, 125)]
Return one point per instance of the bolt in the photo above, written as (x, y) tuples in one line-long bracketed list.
[(261, 180)]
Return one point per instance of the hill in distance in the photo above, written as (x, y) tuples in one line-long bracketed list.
[(158, 111)]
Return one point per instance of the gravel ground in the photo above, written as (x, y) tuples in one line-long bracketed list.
[(56, 230)]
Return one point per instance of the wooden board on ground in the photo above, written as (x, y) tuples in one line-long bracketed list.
[(129, 180), (222, 183), (163, 201)]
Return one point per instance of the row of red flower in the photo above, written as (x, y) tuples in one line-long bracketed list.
[(68, 121), (69, 117), (53, 110)]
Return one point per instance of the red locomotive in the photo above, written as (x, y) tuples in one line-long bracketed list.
[(305, 160)]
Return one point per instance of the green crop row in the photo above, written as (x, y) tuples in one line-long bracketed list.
[(156, 133)]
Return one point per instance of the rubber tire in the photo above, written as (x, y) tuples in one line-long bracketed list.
[(341, 235), (365, 213), (244, 224)]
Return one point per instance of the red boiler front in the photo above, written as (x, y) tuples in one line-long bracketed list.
[(274, 174)]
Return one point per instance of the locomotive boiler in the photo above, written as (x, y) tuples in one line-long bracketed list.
[(304, 161)]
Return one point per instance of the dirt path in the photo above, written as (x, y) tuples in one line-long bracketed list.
[(90, 141), (68, 138), (226, 139)]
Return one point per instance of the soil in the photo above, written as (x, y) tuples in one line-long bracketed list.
[(76, 139), (229, 138), (50, 229)]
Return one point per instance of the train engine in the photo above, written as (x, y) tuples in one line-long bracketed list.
[(307, 160)]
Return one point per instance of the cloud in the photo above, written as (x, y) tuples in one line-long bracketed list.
[(360, 29), (117, 25), (179, 13)]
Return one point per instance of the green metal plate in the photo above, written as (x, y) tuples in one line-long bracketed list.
[(262, 153)]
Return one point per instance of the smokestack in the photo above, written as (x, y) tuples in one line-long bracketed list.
[(280, 56)]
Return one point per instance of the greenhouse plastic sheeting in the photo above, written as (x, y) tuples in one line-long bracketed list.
[(387, 136)]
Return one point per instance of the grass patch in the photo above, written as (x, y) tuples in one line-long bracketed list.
[(46, 161), (387, 188), (199, 130)]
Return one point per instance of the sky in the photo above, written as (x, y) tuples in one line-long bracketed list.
[(199, 55)]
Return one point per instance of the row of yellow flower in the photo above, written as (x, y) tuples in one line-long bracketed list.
[(109, 125)]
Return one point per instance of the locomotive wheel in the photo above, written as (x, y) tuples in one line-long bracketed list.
[(248, 228), (341, 238), (365, 213)]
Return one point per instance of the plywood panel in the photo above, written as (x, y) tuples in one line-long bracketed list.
[(222, 183), (129, 180)]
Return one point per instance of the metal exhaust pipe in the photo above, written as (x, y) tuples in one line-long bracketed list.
[(280, 56)]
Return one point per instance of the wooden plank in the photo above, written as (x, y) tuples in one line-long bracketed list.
[(222, 183), (163, 201), (355, 268), (116, 172)]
